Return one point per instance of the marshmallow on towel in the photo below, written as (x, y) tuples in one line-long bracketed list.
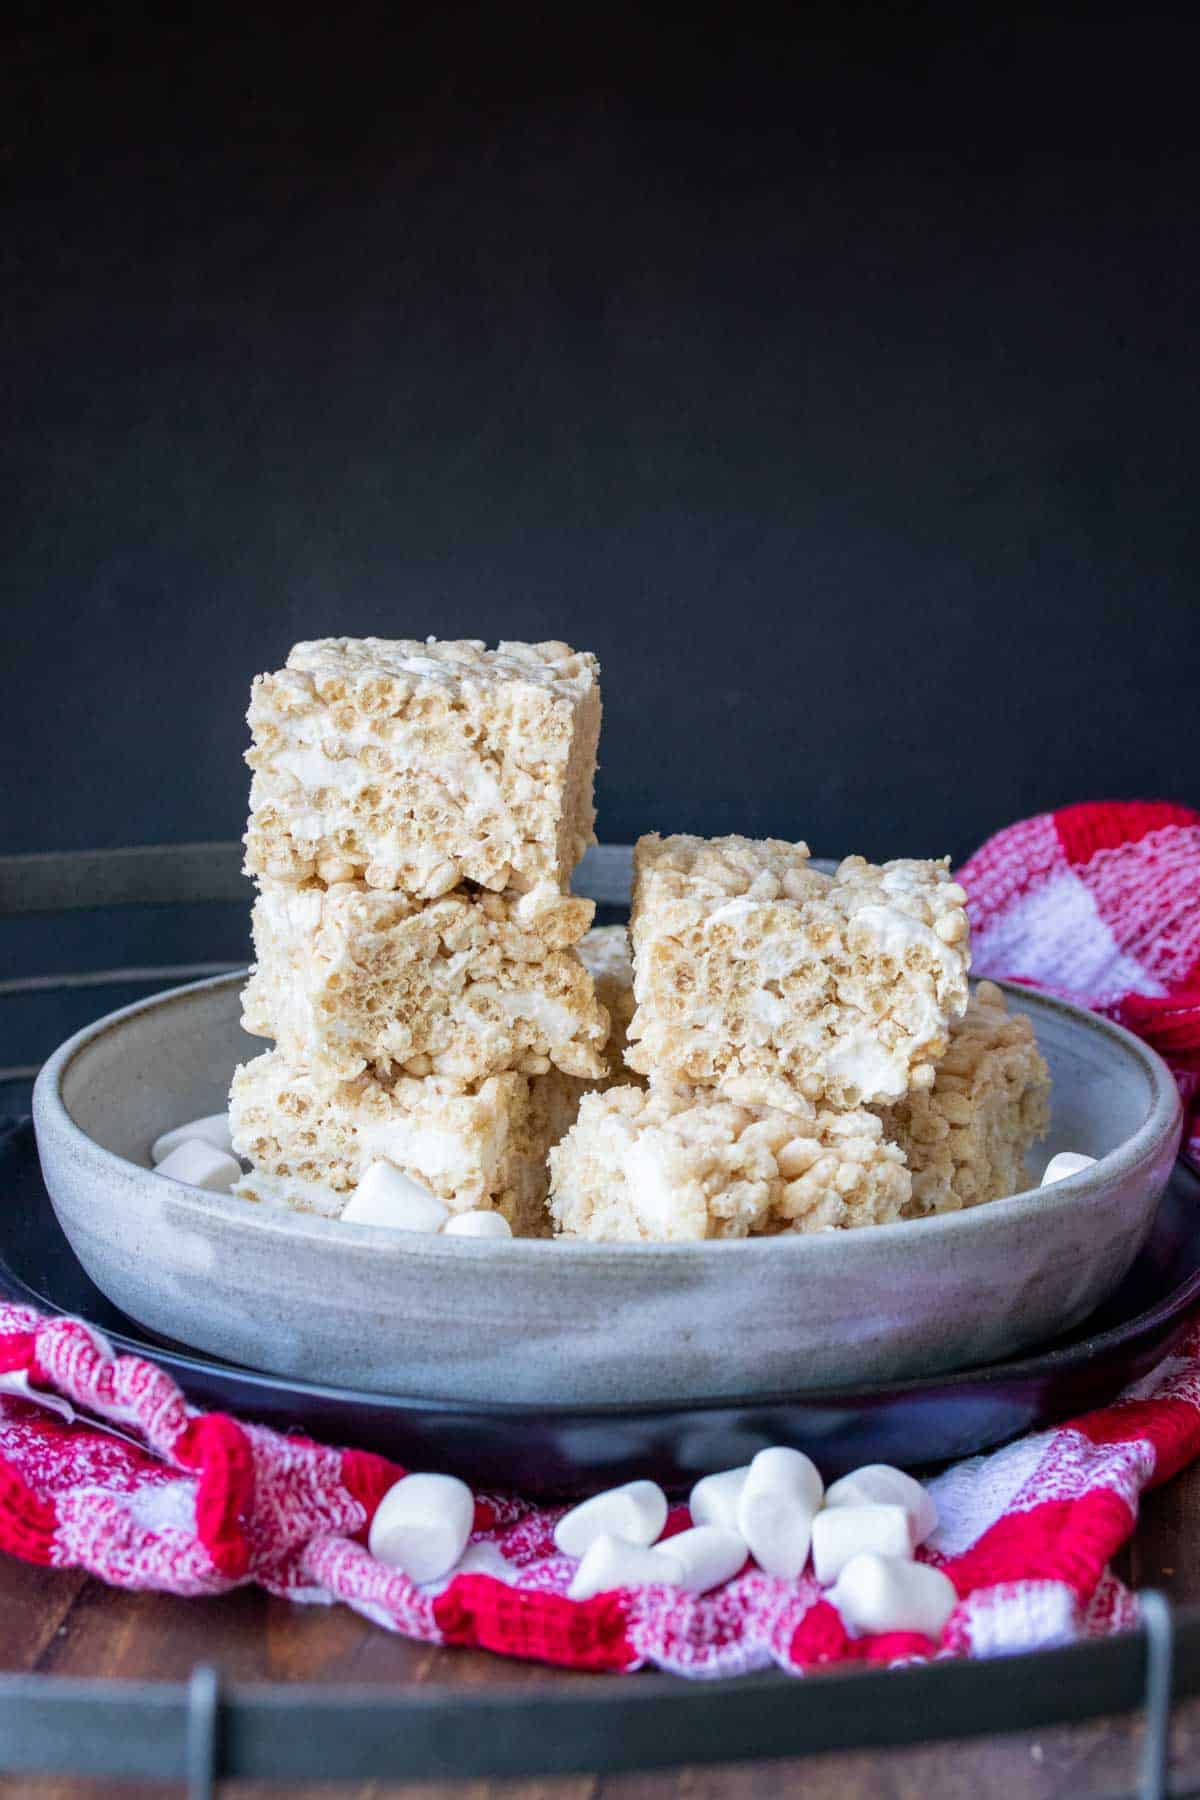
[(887, 1593), (635, 1513), (878, 1484), (714, 1499), (779, 1500), (842, 1532), (422, 1525), (706, 1557), (611, 1562)]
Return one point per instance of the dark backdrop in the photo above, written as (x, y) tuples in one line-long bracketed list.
[(835, 383)]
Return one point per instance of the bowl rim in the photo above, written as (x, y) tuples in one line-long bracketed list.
[(1163, 1120), (1033, 1363)]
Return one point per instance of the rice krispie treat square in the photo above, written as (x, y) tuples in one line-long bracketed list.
[(351, 979), (417, 765), (474, 1147), (779, 985), (668, 1164), (966, 1138)]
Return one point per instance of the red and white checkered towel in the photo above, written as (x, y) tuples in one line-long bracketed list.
[(1099, 902)]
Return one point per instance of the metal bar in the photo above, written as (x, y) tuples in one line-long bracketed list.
[(1158, 1625), (165, 874), (204, 1700), (133, 1732), (580, 1725), (605, 874), (90, 978), (162, 874), (145, 875)]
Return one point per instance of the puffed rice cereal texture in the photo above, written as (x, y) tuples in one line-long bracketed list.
[(605, 954), (966, 1138), (670, 1164), (350, 979), (779, 985), (481, 1146), (417, 765)]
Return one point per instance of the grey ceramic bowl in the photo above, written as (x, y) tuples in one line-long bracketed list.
[(444, 1318)]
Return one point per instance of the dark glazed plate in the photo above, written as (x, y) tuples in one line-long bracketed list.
[(547, 1450)]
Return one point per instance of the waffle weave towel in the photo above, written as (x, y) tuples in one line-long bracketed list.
[(1101, 903)]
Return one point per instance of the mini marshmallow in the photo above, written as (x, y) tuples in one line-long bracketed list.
[(714, 1499), (477, 1225), (706, 1556), (610, 1562), (885, 1593), (422, 1525), (213, 1129), (878, 1484), (476, 1559), (201, 1166), (484, 1559), (1067, 1162), (636, 1513), (778, 1503), (386, 1197), (842, 1532)]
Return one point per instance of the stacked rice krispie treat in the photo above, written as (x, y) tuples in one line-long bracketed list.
[(416, 812), (813, 1057), (786, 1051), (966, 1138)]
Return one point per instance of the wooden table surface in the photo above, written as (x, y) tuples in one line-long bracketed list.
[(60, 1623)]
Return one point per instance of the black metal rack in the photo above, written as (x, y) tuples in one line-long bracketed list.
[(200, 1733)]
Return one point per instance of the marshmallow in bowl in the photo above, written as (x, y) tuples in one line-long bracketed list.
[(778, 1503), (473, 1147), (840, 1533), (705, 1557), (612, 1562), (635, 1513), (389, 1198), (200, 1165), (477, 1225), (212, 1129), (879, 1484), (1067, 1162), (886, 1593), (422, 1525)]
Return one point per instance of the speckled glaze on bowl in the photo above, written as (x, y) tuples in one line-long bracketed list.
[(452, 1318)]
